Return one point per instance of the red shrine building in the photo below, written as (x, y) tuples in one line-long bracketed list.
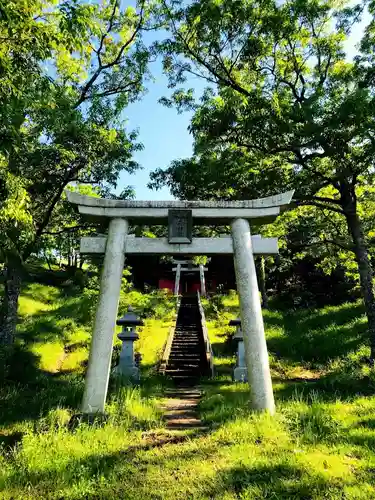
[(156, 272)]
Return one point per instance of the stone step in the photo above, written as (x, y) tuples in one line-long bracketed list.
[(186, 352), (185, 381), (183, 365), (184, 336), (184, 333), (183, 373), (187, 341), (187, 344), (187, 362), (192, 363), (187, 332), (195, 369), (196, 349), (183, 329), (186, 349), (185, 357), (194, 338), (189, 355)]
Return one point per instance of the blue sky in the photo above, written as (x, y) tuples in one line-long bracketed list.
[(163, 131)]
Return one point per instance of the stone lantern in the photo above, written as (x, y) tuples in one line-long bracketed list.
[(127, 366), (240, 370)]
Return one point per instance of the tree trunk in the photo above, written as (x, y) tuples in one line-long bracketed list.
[(48, 261), (261, 272), (364, 268), (9, 305)]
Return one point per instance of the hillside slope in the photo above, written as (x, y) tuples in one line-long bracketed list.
[(319, 445)]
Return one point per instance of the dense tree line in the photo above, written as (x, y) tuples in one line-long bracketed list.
[(68, 69), (284, 108)]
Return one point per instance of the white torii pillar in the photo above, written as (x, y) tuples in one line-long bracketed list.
[(203, 282), (256, 353), (99, 364), (177, 280)]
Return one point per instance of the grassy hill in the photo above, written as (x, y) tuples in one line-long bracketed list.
[(319, 445)]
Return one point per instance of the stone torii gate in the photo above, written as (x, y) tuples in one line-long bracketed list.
[(180, 215), (188, 267)]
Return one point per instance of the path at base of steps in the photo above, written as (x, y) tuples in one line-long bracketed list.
[(180, 407)]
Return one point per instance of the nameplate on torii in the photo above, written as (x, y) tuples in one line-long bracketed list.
[(198, 246)]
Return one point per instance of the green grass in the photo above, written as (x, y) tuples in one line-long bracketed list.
[(320, 445)]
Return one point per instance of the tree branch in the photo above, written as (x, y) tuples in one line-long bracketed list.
[(66, 230), (116, 61), (316, 203), (230, 83)]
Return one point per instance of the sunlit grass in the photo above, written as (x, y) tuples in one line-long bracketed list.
[(320, 444), (152, 338), (75, 361), (50, 355)]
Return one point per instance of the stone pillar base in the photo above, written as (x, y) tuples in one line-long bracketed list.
[(131, 372), (240, 374)]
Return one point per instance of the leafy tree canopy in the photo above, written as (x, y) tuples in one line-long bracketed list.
[(285, 108), (68, 70)]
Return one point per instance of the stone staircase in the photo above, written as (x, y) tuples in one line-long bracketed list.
[(187, 360)]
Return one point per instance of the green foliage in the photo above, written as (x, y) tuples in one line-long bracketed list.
[(286, 108), (15, 218), (68, 70)]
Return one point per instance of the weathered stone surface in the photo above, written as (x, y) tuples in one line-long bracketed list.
[(280, 199), (220, 211), (199, 246), (201, 216), (126, 366), (256, 354), (105, 320), (202, 279), (177, 279), (240, 371)]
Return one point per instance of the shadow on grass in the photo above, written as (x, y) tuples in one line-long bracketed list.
[(29, 393), (271, 481), (220, 349), (108, 464), (318, 336), (224, 401), (125, 475), (57, 323), (367, 423), (9, 441)]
